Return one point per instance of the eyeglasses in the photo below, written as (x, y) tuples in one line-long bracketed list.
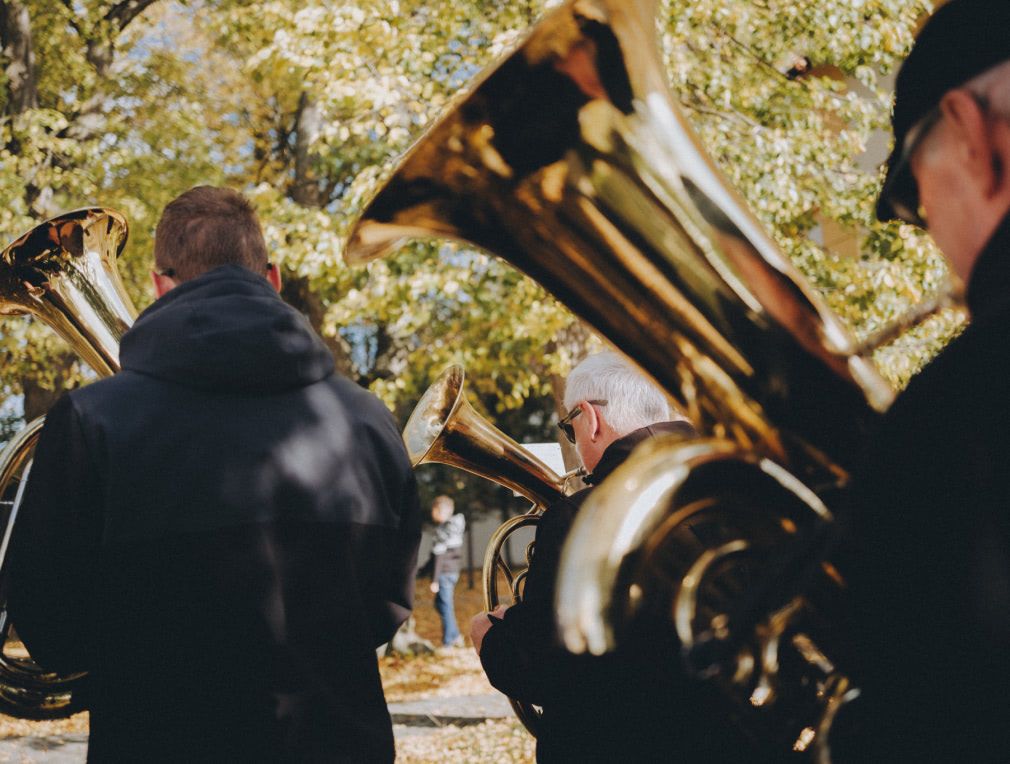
[(901, 192), (565, 423)]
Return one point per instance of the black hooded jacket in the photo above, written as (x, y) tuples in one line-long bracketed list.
[(927, 554), (631, 705), (220, 535)]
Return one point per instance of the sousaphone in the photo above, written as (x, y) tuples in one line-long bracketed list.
[(63, 272), (571, 160)]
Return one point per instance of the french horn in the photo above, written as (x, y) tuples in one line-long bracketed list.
[(444, 429), (63, 272), (571, 160)]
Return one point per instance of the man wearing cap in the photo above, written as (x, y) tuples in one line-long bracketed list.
[(928, 562)]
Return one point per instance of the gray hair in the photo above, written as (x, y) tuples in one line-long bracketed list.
[(633, 400), (994, 85)]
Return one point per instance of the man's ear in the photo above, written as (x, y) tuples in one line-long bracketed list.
[(592, 419), (274, 276), (162, 283), (977, 133)]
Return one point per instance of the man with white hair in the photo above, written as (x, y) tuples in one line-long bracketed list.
[(608, 401), (929, 567), (617, 707)]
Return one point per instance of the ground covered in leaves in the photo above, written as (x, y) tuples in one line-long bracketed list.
[(445, 673), (450, 673), (487, 743)]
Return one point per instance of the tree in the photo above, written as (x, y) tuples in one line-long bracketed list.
[(790, 140), (11, 420), (787, 96), (304, 104), (90, 116)]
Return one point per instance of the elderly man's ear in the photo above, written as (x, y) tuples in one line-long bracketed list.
[(592, 422)]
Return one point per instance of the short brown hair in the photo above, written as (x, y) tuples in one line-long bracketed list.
[(208, 227)]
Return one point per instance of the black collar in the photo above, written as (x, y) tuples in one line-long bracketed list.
[(989, 286), (618, 451)]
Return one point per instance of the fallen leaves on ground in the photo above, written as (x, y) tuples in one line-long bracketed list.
[(492, 742), (75, 725), (444, 674), (449, 673)]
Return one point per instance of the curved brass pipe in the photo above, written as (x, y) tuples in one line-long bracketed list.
[(444, 429), (63, 272)]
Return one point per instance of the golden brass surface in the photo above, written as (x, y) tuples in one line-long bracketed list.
[(444, 428), (63, 272), (571, 160), (495, 565)]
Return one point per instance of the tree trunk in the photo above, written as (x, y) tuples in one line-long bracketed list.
[(38, 399), (307, 126), (16, 38), (296, 293)]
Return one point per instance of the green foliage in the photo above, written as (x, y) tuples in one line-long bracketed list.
[(11, 420), (795, 146), (305, 104)]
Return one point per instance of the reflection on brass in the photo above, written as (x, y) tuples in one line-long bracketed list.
[(571, 160), (610, 203), (494, 565), (63, 272)]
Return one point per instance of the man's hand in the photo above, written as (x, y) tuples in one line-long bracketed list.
[(480, 624), (434, 587)]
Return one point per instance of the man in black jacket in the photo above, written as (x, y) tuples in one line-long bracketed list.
[(929, 554), (631, 705), (222, 533)]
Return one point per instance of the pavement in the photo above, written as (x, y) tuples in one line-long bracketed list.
[(49, 749), (417, 717)]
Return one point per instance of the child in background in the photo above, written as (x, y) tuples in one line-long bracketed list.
[(446, 552)]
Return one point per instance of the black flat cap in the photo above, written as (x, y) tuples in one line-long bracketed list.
[(962, 39)]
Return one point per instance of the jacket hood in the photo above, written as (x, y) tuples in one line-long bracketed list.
[(227, 330), (988, 292)]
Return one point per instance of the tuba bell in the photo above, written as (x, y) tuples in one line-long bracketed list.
[(444, 429), (570, 160), (63, 272)]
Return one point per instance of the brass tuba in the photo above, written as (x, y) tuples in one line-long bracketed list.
[(444, 429), (64, 272), (571, 160)]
